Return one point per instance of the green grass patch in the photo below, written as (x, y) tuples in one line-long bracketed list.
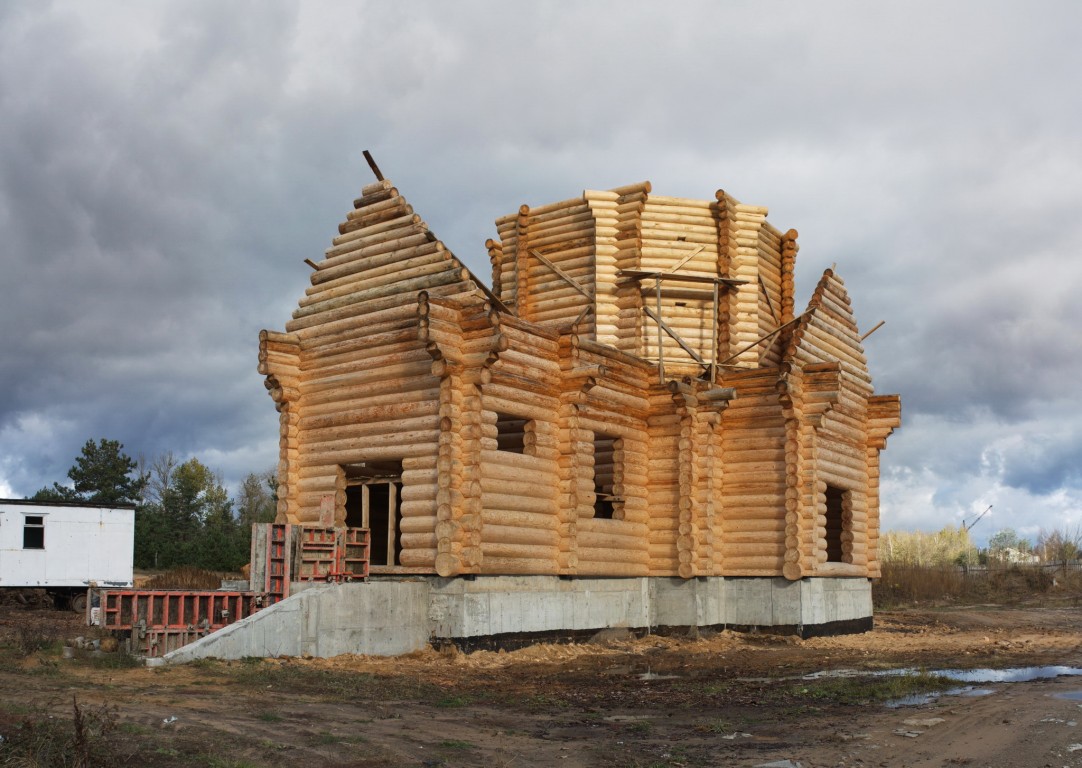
[(865, 689), (454, 701), (115, 660), (456, 744)]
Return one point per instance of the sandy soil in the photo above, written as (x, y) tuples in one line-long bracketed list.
[(714, 700)]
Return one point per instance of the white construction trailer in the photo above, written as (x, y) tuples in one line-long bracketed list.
[(65, 547)]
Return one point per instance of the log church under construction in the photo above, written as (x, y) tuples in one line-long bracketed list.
[(635, 408)]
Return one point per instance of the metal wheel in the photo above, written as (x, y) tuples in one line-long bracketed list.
[(78, 602)]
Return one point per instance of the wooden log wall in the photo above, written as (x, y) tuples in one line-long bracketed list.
[(884, 416), (664, 427), (613, 401), (520, 510), (279, 361), (603, 206), (726, 252), (700, 471), (800, 499), (771, 290), (672, 230), (464, 342), (746, 223), (352, 380), (505, 278), (838, 447), (631, 201), (753, 438), (789, 249), (397, 354)]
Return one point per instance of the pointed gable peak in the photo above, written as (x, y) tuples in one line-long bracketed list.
[(827, 330)]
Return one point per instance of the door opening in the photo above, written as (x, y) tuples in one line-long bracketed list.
[(374, 501)]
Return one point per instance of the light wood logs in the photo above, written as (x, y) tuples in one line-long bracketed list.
[(507, 430)]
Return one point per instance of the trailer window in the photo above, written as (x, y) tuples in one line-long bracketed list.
[(34, 532)]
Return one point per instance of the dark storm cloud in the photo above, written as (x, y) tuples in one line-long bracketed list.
[(165, 168)]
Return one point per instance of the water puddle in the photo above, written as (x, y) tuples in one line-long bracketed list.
[(1014, 675), (1069, 695), (656, 676), (921, 699)]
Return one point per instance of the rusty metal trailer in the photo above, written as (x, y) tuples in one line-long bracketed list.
[(284, 558)]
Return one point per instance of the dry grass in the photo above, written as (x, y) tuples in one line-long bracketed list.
[(184, 577), (1001, 584)]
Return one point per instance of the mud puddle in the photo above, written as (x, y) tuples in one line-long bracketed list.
[(1012, 675)]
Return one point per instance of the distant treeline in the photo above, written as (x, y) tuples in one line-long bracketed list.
[(183, 513), (953, 547)]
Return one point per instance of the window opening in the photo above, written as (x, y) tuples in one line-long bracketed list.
[(835, 522), (607, 456), (511, 433), (34, 532)]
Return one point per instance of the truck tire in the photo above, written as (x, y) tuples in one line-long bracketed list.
[(78, 602)]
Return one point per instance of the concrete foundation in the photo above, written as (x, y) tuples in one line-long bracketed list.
[(390, 616)]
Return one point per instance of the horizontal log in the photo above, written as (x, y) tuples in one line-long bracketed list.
[(494, 500), (592, 556), (514, 518), (338, 385), (377, 270), (543, 541), (439, 273), (537, 487), (527, 551), (609, 540), (497, 565), (371, 452), (354, 250)]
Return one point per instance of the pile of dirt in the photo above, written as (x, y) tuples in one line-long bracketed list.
[(185, 577)]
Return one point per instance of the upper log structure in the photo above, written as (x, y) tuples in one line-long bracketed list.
[(634, 396)]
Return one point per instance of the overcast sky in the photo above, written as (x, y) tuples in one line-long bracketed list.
[(165, 167)]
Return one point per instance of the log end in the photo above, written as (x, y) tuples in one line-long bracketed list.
[(446, 564)]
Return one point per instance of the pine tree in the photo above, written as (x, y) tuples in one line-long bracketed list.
[(102, 474)]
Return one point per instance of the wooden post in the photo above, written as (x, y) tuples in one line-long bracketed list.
[(372, 165), (714, 337), (660, 355)]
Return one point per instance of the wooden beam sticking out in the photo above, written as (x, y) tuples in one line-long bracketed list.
[(688, 258), (372, 165), (761, 339), (769, 303), (582, 315), (714, 337), (873, 330), (315, 266), (562, 275), (639, 274), (675, 336), (660, 338)]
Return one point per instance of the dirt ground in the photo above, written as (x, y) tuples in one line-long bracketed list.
[(714, 700)]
